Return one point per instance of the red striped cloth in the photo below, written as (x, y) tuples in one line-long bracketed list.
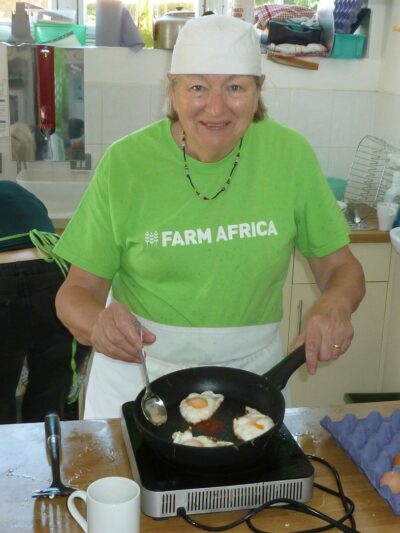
[(263, 14)]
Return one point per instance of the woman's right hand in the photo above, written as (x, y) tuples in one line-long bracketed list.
[(114, 334), (80, 305)]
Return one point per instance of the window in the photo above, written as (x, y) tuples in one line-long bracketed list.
[(7, 7), (307, 3), (143, 12), (86, 9)]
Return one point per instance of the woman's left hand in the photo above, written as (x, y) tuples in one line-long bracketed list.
[(328, 333)]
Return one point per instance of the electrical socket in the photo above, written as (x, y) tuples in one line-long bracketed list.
[(85, 164)]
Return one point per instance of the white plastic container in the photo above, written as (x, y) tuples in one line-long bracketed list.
[(243, 9), (393, 193)]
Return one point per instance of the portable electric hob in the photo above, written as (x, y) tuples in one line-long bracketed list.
[(284, 472)]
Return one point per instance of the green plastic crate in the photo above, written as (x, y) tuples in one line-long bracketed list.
[(367, 397), (349, 46), (46, 32), (338, 187)]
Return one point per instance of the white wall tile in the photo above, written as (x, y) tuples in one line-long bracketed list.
[(352, 117), (93, 113), (387, 118), (340, 162), (311, 113), (125, 109), (277, 102), (122, 65)]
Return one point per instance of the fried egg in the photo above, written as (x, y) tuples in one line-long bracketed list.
[(251, 425), (197, 407), (201, 441)]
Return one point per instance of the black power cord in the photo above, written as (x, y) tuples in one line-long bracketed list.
[(293, 505)]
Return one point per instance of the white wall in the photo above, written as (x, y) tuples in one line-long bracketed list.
[(387, 112), (334, 106)]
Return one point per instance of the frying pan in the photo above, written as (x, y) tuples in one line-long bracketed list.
[(240, 389)]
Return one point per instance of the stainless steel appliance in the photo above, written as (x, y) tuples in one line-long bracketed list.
[(283, 472), (167, 27)]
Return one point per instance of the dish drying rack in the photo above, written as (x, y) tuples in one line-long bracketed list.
[(369, 177)]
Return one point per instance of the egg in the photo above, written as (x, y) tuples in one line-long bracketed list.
[(251, 425), (197, 407), (201, 441), (392, 480), (396, 460)]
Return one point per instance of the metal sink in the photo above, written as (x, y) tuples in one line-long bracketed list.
[(395, 238), (59, 190)]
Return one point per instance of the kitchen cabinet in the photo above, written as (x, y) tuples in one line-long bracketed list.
[(360, 369), (391, 366)]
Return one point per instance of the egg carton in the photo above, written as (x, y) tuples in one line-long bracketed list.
[(371, 443)]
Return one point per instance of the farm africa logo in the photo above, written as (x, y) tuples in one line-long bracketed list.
[(151, 238), (198, 236)]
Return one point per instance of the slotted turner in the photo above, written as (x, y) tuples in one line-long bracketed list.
[(53, 444)]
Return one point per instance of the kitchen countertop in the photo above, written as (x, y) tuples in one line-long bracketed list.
[(95, 448), (371, 235)]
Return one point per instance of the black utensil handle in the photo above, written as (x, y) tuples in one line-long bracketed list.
[(280, 373), (53, 442), (52, 425)]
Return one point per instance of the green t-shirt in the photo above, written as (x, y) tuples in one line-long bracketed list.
[(179, 260)]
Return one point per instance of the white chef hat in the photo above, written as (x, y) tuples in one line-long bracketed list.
[(217, 44)]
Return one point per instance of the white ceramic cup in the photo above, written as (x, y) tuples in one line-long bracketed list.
[(386, 212), (112, 504)]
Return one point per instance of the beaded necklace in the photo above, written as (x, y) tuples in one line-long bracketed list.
[(227, 181)]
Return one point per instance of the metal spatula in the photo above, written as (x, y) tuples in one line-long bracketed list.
[(53, 443)]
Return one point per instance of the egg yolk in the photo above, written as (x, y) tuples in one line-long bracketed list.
[(197, 403), (257, 424)]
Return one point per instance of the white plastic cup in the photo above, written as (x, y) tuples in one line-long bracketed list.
[(112, 504), (386, 212)]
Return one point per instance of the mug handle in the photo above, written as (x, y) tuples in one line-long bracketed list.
[(74, 511)]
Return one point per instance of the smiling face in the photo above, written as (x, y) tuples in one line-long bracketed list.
[(214, 111)]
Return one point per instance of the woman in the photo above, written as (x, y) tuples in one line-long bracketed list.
[(29, 327), (191, 223)]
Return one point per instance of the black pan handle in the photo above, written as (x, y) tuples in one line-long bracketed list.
[(52, 429), (280, 373)]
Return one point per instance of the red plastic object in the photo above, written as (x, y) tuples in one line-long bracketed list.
[(45, 80)]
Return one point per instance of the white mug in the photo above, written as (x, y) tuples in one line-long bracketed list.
[(112, 504), (386, 212)]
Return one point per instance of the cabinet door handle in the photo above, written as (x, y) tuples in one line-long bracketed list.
[(299, 316)]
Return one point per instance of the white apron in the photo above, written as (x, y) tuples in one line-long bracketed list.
[(112, 383)]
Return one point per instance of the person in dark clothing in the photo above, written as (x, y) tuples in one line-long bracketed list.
[(29, 328)]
